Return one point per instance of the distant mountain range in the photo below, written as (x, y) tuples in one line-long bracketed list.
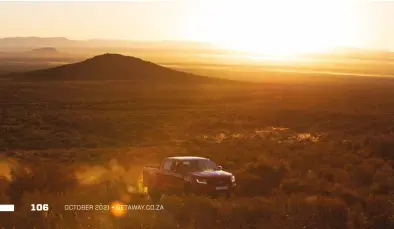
[(24, 44), (114, 67), (356, 53), (62, 42), (47, 53)]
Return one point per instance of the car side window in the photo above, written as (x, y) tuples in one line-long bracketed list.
[(175, 166), (167, 165)]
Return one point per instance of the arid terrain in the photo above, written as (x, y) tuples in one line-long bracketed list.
[(306, 154)]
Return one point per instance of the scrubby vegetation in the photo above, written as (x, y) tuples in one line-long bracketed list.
[(304, 156)]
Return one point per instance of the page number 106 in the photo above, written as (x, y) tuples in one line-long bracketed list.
[(39, 207)]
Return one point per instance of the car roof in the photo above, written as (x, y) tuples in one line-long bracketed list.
[(187, 158)]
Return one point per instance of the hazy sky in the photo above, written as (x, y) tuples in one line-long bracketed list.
[(248, 24)]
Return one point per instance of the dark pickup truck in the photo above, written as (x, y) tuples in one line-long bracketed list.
[(187, 175)]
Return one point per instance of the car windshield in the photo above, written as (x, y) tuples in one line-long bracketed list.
[(198, 165)]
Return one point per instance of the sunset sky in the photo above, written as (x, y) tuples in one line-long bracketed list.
[(275, 26)]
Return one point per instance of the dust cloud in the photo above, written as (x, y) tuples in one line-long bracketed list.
[(110, 172), (6, 165)]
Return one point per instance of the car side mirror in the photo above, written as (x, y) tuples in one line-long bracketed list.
[(219, 167)]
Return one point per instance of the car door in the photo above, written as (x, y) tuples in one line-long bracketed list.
[(175, 178), (184, 170), (165, 175), (178, 177)]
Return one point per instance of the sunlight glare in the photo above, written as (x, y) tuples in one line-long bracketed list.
[(280, 28), (116, 209)]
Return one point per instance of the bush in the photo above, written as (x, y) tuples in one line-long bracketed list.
[(260, 178), (295, 185), (41, 176)]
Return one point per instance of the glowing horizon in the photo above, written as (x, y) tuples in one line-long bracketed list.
[(275, 27)]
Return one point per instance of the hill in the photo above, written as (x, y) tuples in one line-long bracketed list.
[(28, 57), (114, 67), (45, 51)]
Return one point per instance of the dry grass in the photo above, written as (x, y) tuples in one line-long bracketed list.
[(316, 156)]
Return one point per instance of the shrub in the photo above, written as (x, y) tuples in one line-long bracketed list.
[(296, 185), (261, 177), (42, 176)]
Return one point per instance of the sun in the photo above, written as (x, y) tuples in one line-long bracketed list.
[(276, 27)]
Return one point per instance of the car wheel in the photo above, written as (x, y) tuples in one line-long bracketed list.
[(186, 190), (155, 195)]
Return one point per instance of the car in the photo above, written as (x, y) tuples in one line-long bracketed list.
[(185, 175)]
